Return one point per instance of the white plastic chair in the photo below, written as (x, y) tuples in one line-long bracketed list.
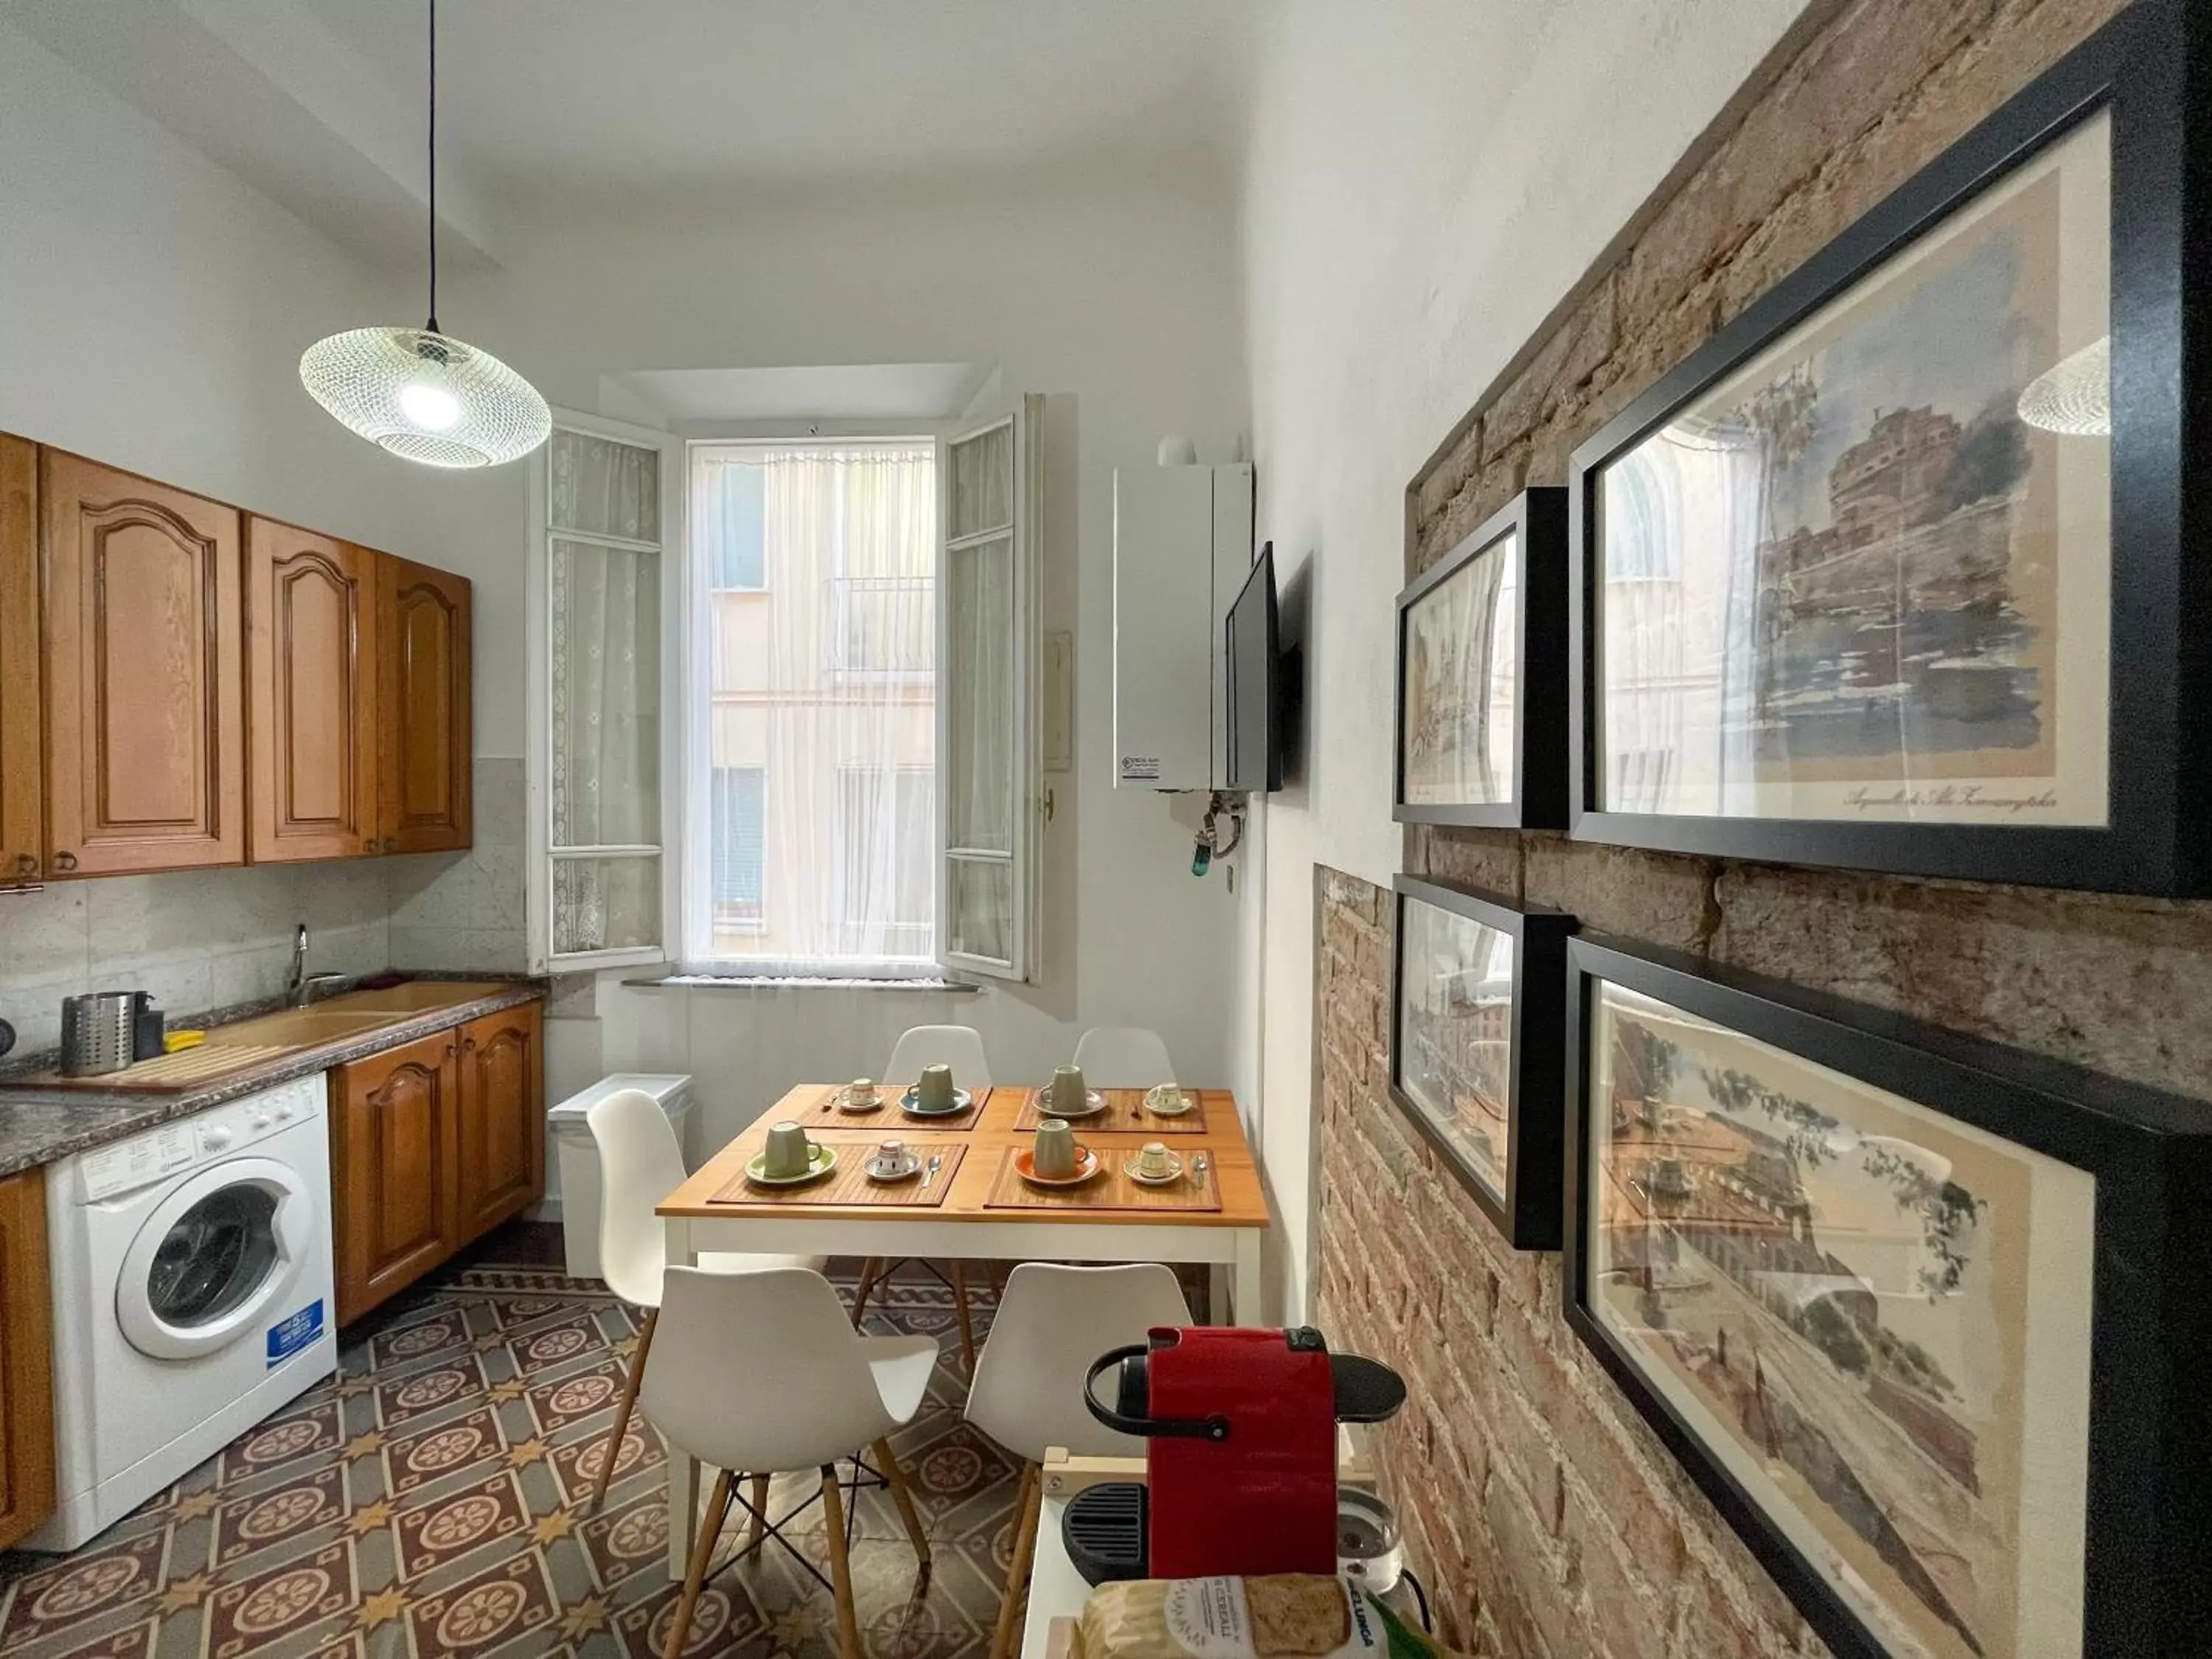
[(1028, 1394), (759, 1372), (640, 1164), (1123, 1057), (960, 1046)]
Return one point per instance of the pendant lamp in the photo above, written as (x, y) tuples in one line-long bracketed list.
[(418, 392), (2074, 397)]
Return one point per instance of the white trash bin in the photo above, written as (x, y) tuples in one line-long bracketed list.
[(578, 1157)]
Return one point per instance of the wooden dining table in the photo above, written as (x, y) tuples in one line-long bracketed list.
[(977, 1208)]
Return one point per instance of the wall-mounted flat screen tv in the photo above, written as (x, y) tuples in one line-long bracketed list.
[(1255, 713)]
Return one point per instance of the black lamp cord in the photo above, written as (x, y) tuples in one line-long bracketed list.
[(433, 167)]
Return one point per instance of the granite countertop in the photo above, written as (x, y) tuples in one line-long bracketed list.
[(41, 1123)]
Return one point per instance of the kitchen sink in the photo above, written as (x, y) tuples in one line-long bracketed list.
[(298, 1027), (416, 997)]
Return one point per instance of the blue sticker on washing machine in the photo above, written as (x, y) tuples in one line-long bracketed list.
[(301, 1330)]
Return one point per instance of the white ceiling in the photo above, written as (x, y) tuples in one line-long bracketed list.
[(320, 103)]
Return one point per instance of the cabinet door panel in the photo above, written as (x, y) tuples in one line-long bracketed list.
[(394, 1151), (310, 605), (426, 748), (22, 764), (27, 1398), (502, 1156), (144, 682)]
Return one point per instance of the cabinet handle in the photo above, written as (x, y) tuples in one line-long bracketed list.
[(27, 864), (64, 860)]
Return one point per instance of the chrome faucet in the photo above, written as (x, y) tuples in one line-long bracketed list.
[(296, 986)]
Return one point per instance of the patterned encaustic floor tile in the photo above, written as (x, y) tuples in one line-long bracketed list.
[(433, 1498)]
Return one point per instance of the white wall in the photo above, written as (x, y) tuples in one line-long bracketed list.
[(1118, 299), (152, 314), (1426, 179)]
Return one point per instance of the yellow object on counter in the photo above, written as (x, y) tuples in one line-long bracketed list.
[(178, 1041)]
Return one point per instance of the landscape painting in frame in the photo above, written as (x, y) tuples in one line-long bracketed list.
[(1460, 668), (1454, 1053), (1874, 1318), (1847, 581)]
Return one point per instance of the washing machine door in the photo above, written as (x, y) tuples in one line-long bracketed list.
[(212, 1256)]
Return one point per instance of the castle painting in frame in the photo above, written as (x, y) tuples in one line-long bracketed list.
[(1847, 581)]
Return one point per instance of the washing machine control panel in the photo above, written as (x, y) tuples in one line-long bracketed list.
[(162, 1153)]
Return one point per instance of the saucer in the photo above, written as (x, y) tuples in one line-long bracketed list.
[(914, 1107), (823, 1159), (1156, 1096), (1166, 1177), (1093, 1104), (845, 1101), (1086, 1165), (876, 1169)]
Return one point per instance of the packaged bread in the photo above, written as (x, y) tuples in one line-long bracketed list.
[(1286, 1617)]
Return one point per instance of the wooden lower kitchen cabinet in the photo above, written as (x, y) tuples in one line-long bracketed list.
[(434, 1144), (502, 1117), (27, 1389)]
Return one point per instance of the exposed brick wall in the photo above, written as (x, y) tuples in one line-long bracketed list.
[(1550, 1518)]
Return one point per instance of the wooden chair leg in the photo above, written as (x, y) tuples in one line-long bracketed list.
[(1028, 1504), (840, 1569), (960, 1309), (870, 1271), (717, 1510), (629, 1405), (904, 1499), (760, 1511)]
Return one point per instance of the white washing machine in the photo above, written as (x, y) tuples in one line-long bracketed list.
[(193, 1295)]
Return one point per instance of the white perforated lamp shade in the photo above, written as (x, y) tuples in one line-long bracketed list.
[(418, 391), (2075, 396), (426, 396)]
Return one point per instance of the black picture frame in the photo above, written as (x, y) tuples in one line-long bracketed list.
[(1529, 1211), (2149, 1466), (2151, 69), (1537, 520)]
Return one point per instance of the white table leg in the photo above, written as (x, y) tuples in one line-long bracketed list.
[(683, 1468), (1248, 1277)]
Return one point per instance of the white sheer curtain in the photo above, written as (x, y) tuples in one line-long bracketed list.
[(604, 576), (816, 578)]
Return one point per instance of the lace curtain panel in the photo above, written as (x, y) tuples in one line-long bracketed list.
[(604, 666), (817, 581)]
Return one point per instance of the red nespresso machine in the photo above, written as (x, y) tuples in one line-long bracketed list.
[(1240, 1454)]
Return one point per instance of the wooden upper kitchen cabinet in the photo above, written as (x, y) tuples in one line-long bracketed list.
[(311, 610), (503, 1118), (145, 725), (425, 745), (27, 1392), (23, 744), (394, 1168)]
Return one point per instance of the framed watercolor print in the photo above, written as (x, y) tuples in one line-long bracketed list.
[(1908, 1306), (1892, 573), (1477, 1025), (1482, 675)]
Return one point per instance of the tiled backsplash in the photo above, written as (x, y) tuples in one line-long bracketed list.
[(209, 938)]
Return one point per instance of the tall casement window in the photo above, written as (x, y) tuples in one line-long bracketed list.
[(800, 702)]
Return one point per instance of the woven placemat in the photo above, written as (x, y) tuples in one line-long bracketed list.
[(848, 1182), (887, 1118), (1125, 1114), (1109, 1189)]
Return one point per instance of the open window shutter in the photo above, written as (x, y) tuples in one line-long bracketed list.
[(988, 706)]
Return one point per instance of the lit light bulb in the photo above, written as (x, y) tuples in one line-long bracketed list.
[(429, 406)]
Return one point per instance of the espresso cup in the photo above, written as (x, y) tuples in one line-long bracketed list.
[(890, 1154), (1055, 1149), (1153, 1160), (1067, 1091), (861, 1091), (789, 1151), (933, 1091)]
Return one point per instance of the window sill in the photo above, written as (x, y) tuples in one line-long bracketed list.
[(796, 982)]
